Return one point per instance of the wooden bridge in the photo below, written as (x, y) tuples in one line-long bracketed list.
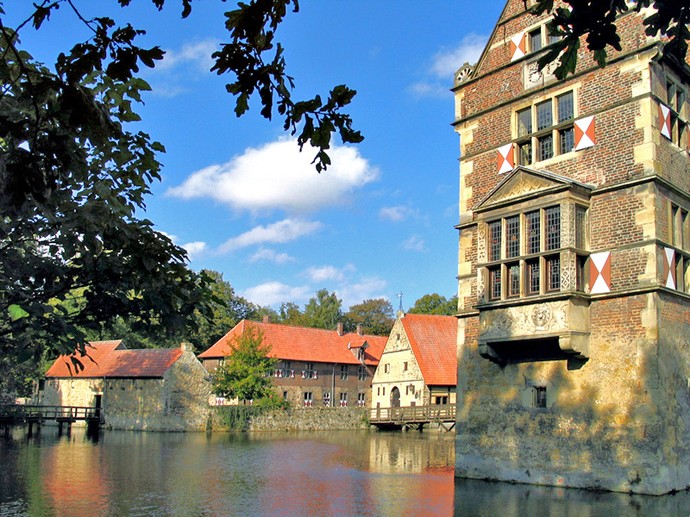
[(16, 414), (414, 416)]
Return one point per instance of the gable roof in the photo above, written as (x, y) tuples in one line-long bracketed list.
[(523, 183), (111, 359), (304, 344), (434, 343)]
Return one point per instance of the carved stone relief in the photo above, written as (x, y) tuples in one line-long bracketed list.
[(526, 320)]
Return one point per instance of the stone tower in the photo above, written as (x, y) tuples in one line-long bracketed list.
[(574, 254)]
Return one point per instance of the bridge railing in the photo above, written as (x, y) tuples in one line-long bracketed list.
[(23, 412), (409, 414)]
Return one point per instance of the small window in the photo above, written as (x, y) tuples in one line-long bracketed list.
[(533, 223), (405, 366), (308, 399), (566, 107), (495, 283), (386, 368), (361, 399), (514, 280), (495, 242), (513, 236), (553, 270), (535, 40), (524, 119), (343, 372), (544, 115), (343, 399), (539, 394), (327, 399), (362, 373), (553, 227)]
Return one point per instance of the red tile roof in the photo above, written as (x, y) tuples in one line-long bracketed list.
[(434, 342), (304, 344), (111, 359)]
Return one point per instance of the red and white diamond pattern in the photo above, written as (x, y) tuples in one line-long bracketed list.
[(670, 268), (506, 159), (518, 46), (600, 272), (665, 120), (584, 133)]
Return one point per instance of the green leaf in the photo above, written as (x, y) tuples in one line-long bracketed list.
[(16, 312)]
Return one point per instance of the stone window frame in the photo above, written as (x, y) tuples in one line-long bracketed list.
[(361, 399), (539, 397), (676, 96), (362, 373), (343, 399), (679, 239), (344, 372), (308, 398), (538, 139), (555, 268)]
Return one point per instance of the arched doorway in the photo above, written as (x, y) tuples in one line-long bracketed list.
[(395, 397)]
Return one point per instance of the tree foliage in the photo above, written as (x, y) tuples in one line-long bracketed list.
[(596, 22), (242, 374), (375, 316), (435, 304), (323, 310), (73, 251)]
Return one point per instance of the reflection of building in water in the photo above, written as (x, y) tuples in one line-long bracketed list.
[(418, 366), (574, 262), (388, 453)]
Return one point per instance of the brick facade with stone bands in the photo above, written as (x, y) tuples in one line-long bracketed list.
[(574, 255)]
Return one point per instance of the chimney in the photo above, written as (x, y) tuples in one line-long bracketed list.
[(187, 347), (267, 318), (339, 328), (359, 329)]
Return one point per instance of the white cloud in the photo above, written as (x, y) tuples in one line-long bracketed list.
[(283, 231), (414, 243), (329, 273), (445, 63), (197, 54), (270, 255), (194, 248), (278, 176), (275, 293), (395, 213), (364, 289)]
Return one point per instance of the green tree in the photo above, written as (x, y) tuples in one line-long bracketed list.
[(435, 304), (375, 316), (290, 314), (73, 251), (596, 21), (242, 374), (323, 310)]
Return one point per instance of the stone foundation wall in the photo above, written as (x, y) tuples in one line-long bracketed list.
[(616, 422), (302, 419)]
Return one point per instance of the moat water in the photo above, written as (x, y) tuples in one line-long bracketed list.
[(307, 474)]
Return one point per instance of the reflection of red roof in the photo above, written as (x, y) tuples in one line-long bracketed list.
[(304, 344), (434, 342), (112, 359)]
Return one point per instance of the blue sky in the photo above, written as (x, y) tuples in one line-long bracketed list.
[(241, 199)]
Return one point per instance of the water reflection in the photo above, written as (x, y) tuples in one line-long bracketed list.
[(291, 474)]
